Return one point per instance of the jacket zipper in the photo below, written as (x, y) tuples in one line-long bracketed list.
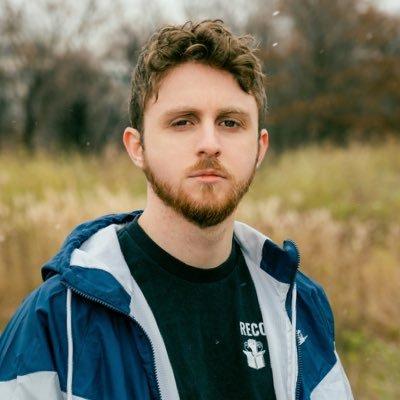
[(300, 365), (103, 303), (297, 251), (299, 360)]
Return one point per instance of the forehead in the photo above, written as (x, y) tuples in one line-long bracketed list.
[(200, 86)]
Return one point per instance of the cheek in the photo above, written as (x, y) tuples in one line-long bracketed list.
[(166, 166), (243, 159)]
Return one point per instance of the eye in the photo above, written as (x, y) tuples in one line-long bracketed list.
[(231, 123), (180, 122)]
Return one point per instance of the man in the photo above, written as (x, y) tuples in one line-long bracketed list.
[(179, 300)]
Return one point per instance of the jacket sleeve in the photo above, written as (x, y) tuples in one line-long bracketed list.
[(335, 384), (32, 347)]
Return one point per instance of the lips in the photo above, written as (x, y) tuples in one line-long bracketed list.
[(207, 172)]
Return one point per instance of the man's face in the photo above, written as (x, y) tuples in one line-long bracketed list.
[(201, 120)]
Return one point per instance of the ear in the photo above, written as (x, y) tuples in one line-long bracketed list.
[(131, 139), (263, 142)]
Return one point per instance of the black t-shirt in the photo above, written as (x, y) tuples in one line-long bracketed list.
[(209, 319)]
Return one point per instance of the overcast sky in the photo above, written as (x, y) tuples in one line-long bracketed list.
[(389, 5), (386, 5)]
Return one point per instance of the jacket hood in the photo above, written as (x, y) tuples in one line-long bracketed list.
[(80, 234), (91, 253)]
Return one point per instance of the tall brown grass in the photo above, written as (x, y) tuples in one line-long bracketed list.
[(342, 207)]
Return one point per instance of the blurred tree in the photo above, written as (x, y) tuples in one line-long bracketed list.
[(5, 120), (78, 105), (333, 67), (333, 70), (234, 14), (376, 76), (36, 49)]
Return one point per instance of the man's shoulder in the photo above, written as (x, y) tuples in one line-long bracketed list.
[(44, 295), (48, 298), (310, 287), (314, 296), (307, 284), (25, 335)]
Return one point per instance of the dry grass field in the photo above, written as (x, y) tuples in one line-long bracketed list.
[(342, 207)]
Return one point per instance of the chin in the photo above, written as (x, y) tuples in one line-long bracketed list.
[(207, 196)]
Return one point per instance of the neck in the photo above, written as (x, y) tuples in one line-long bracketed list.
[(195, 246)]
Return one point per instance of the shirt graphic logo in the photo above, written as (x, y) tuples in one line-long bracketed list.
[(254, 353), (252, 328), (301, 338)]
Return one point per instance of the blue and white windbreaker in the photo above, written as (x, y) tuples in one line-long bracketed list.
[(88, 333)]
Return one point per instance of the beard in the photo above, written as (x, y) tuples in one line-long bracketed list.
[(210, 210)]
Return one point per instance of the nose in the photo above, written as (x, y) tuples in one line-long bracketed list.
[(208, 141)]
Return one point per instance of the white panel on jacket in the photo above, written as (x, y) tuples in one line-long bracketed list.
[(335, 385)]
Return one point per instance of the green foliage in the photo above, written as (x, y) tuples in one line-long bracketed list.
[(379, 361), (362, 182)]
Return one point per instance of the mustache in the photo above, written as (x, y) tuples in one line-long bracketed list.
[(209, 163)]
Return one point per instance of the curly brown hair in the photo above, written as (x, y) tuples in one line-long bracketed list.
[(209, 42)]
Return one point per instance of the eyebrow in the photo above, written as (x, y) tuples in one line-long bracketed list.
[(193, 111)]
